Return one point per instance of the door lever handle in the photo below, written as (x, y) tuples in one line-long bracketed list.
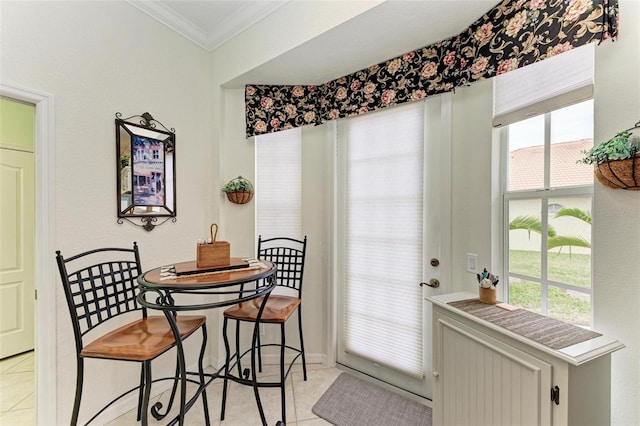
[(434, 283)]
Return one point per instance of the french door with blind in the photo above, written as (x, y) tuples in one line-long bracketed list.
[(387, 166)]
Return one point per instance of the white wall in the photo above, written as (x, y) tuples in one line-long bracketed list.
[(616, 217), (292, 25), (98, 58), (471, 181)]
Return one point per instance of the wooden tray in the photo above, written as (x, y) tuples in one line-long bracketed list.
[(190, 268)]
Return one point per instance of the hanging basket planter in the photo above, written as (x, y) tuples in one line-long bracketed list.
[(240, 197), (617, 161), (239, 190), (620, 174)]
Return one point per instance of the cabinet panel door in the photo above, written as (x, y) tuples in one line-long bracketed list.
[(481, 381)]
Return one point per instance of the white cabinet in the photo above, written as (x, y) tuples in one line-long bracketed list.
[(487, 375)]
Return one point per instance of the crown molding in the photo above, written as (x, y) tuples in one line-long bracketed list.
[(248, 15), (167, 16)]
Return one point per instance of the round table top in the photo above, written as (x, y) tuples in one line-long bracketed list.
[(158, 288), (203, 278)]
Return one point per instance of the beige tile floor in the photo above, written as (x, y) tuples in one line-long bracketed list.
[(241, 406), (17, 390), (18, 402)]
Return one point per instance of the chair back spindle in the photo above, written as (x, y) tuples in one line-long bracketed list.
[(289, 256), (102, 290)]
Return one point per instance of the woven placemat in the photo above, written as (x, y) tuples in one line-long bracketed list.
[(549, 332)]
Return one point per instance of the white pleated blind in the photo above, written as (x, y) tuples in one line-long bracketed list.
[(383, 238), (278, 186), (544, 86)]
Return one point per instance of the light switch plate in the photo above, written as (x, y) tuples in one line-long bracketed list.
[(472, 262)]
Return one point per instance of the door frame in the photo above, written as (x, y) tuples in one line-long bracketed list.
[(45, 323), (437, 203)]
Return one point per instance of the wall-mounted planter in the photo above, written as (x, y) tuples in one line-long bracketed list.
[(240, 197), (620, 174), (617, 161), (239, 190)]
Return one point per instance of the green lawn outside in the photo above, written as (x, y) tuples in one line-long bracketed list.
[(565, 305), (574, 269)]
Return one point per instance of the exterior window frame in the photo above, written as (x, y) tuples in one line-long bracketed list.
[(542, 194)]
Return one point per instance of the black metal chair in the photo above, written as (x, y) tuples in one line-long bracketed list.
[(103, 286), (289, 256)]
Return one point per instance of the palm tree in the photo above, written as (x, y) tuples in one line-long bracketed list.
[(530, 224), (583, 215), (562, 241), (533, 224), (570, 241)]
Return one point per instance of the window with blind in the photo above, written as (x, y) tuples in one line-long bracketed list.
[(547, 194), (278, 192), (381, 233), (544, 86)]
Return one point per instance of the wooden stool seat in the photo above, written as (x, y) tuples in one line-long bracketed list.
[(143, 339), (277, 309)]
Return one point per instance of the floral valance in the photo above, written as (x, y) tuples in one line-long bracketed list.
[(410, 77), (513, 34), (273, 108)]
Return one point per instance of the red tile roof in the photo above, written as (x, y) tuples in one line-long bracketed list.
[(526, 166)]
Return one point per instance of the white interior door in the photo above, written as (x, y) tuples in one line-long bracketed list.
[(386, 240), (17, 221)]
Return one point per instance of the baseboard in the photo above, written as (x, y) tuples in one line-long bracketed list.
[(274, 359)]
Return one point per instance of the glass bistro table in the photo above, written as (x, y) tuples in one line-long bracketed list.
[(183, 287)]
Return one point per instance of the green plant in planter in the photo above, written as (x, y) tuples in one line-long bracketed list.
[(617, 161), (238, 184), (620, 147)]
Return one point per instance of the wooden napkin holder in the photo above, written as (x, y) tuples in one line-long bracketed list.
[(215, 253)]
